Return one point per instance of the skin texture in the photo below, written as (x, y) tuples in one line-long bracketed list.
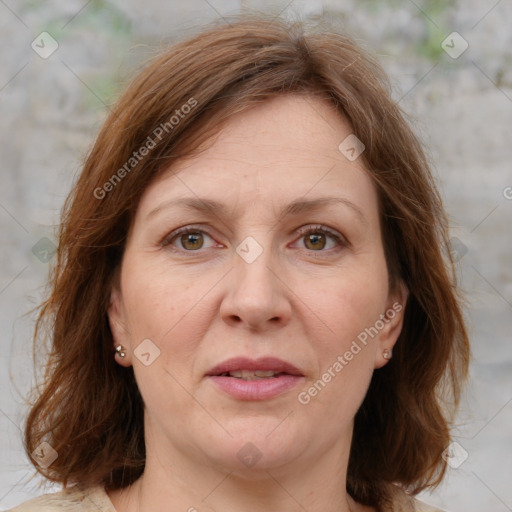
[(298, 301)]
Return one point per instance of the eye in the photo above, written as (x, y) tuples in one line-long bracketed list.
[(315, 238), (318, 238), (188, 239)]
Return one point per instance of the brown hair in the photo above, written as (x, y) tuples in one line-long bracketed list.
[(89, 408)]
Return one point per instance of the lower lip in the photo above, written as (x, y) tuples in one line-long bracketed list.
[(260, 389)]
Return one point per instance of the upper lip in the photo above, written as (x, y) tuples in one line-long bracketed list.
[(263, 363)]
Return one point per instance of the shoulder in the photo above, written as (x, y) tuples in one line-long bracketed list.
[(421, 506), (74, 499), (404, 502)]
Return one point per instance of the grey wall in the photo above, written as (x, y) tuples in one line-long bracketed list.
[(52, 107)]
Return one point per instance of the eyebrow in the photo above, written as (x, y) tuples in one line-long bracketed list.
[(205, 205)]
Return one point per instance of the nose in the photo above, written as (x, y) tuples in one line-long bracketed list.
[(257, 296)]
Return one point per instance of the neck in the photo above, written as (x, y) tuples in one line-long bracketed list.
[(314, 484)]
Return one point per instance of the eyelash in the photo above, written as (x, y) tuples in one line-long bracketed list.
[(303, 231)]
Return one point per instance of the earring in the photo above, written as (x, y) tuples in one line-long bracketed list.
[(386, 353), (120, 350)]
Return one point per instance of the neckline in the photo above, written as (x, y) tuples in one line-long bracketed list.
[(98, 496)]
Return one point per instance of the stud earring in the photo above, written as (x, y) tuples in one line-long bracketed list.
[(386, 353), (120, 350)]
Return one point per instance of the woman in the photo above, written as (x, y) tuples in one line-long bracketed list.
[(251, 308)]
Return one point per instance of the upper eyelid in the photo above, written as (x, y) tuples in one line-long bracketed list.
[(320, 227)]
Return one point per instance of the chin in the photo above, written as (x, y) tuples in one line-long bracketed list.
[(256, 448)]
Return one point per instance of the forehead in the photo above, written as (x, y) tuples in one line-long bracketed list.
[(282, 149)]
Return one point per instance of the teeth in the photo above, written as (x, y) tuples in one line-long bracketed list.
[(252, 374)]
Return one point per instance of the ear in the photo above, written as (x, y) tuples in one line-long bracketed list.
[(393, 319), (117, 322)]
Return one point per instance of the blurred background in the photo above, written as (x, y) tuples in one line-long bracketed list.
[(64, 62)]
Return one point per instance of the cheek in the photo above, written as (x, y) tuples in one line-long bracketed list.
[(166, 308), (355, 300), (170, 310), (158, 299), (352, 301), (346, 357)]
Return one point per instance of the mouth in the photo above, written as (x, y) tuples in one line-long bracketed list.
[(260, 379), (253, 375), (251, 369)]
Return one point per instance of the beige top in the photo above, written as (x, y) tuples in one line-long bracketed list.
[(95, 499)]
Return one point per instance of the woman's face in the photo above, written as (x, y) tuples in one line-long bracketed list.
[(287, 264)]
